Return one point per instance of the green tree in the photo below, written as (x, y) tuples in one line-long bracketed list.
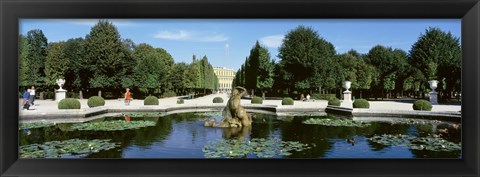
[(78, 72), (437, 55), (259, 73), (106, 57), (56, 64), (23, 62), (179, 77), (303, 56), (388, 65), (150, 73), (36, 57)]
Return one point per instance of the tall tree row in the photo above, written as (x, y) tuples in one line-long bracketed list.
[(104, 62)]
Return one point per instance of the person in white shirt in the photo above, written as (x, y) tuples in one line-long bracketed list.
[(32, 95)]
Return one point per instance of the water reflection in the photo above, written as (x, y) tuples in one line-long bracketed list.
[(183, 136)]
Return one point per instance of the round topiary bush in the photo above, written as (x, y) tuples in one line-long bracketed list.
[(334, 102), (287, 101), (423, 105), (69, 103), (361, 103), (218, 100), (150, 100), (95, 101), (180, 101), (257, 100)]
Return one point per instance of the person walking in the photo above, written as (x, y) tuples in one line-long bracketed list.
[(127, 97), (26, 97), (32, 96)]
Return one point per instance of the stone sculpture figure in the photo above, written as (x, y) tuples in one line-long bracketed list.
[(234, 115)]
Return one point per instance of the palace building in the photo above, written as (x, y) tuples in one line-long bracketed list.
[(225, 78)]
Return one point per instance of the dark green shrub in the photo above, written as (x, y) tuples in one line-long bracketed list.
[(257, 100), (423, 105), (73, 95), (69, 103), (180, 101), (108, 95), (361, 103), (318, 96), (95, 101), (334, 102), (218, 100), (169, 93), (287, 101), (150, 100), (48, 95)]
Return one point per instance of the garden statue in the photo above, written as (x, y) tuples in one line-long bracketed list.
[(233, 115), (61, 93)]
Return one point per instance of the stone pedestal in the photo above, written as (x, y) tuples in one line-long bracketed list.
[(347, 100), (60, 94), (433, 98)]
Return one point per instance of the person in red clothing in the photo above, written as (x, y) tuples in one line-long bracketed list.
[(127, 97)]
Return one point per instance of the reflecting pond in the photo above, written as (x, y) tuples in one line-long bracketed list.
[(183, 135)]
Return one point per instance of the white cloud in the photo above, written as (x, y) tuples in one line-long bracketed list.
[(183, 35), (274, 41)]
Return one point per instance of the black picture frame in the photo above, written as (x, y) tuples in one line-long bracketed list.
[(12, 10)]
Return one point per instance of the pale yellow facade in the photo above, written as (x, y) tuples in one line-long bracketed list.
[(225, 78)]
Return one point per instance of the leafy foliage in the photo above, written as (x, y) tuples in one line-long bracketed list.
[(56, 149), (429, 143), (287, 101), (69, 103), (336, 122), (39, 124), (257, 100), (180, 101), (260, 147), (95, 101), (334, 101), (113, 125), (423, 105), (218, 100), (323, 96), (151, 100), (361, 103)]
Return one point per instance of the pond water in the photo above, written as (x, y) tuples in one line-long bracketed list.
[(183, 135)]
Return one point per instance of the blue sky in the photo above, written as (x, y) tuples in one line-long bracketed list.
[(227, 42)]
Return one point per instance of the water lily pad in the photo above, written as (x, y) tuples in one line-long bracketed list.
[(261, 148), (336, 122), (35, 125), (416, 121), (417, 143), (113, 125), (56, 149)]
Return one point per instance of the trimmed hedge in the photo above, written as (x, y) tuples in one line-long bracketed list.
[(423, 105), (169, 94), (318, 96), (95, 101), (69, 103), (180, 101), (218, 100), (361, 103), (287, 101), (150, 100), (257, 100), (334, 102)]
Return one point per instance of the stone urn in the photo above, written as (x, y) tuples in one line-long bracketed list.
[(60, 93), (60, 83), (433, 85), (347, 85)]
